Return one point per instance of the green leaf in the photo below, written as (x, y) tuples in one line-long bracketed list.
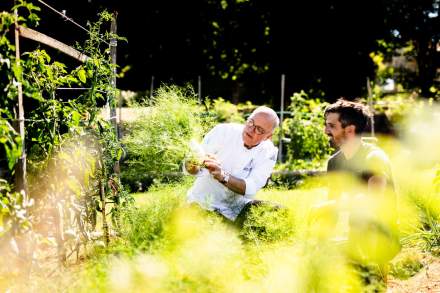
[(82, 75), (75, 118)]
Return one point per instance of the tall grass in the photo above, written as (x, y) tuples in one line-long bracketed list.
[(174, 248)]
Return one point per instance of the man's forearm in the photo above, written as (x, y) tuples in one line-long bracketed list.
[(237, 185)]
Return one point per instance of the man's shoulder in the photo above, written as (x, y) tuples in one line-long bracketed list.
[(370, 147), (374, 152), (269, 149), (268, 145), (336, 156), (333, 163)]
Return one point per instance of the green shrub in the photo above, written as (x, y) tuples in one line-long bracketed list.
[(14, 218), (404, 76), (308, 146), (221, 111), (246, 108), (224, 111), (396, 108)]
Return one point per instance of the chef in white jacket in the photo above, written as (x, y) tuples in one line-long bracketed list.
[(239, 161)]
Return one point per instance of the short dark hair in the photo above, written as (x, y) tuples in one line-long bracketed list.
[(351, 113)]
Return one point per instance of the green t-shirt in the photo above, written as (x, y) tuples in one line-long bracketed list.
[(372, 220), (368, 161)]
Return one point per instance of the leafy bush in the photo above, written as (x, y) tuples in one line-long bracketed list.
[(395, 108), (14, 218), (308, 146), (385, 58), (224, 111), (10, 145)]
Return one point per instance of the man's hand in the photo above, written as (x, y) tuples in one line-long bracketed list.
[(377, 184), (193, 165), (214, 167)]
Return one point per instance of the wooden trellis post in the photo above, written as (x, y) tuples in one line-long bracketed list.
[(112, 98), (51, 42), (20, 31), (113, 119), (20, 167), (280, 147), (370, 105), (151, 87), (199, 88)]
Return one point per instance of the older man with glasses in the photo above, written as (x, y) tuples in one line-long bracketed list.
[(240, 161)]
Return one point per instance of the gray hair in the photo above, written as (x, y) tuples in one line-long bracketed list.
[(268, 111)]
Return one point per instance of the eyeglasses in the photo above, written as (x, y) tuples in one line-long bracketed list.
[(258, 129)]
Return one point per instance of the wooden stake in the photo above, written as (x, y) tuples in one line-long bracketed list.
[(102, 197), (20, 167), (151, 87), (51, 42), (280, 148), (370, 105), (199, 88), (113, 117)]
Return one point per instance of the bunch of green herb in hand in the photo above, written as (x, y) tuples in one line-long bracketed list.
[(195, 158)]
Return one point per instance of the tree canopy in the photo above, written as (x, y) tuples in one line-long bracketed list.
[(240, 48)]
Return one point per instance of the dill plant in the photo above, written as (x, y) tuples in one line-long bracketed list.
[(158, 141)]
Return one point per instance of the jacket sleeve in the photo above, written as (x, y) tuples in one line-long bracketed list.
[(260, 172)]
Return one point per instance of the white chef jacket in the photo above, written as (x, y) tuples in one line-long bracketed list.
[(253, 165)]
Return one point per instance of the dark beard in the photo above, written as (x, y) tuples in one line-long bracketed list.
[(332, 143)]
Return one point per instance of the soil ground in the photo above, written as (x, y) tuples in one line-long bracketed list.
[(426, 280)]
